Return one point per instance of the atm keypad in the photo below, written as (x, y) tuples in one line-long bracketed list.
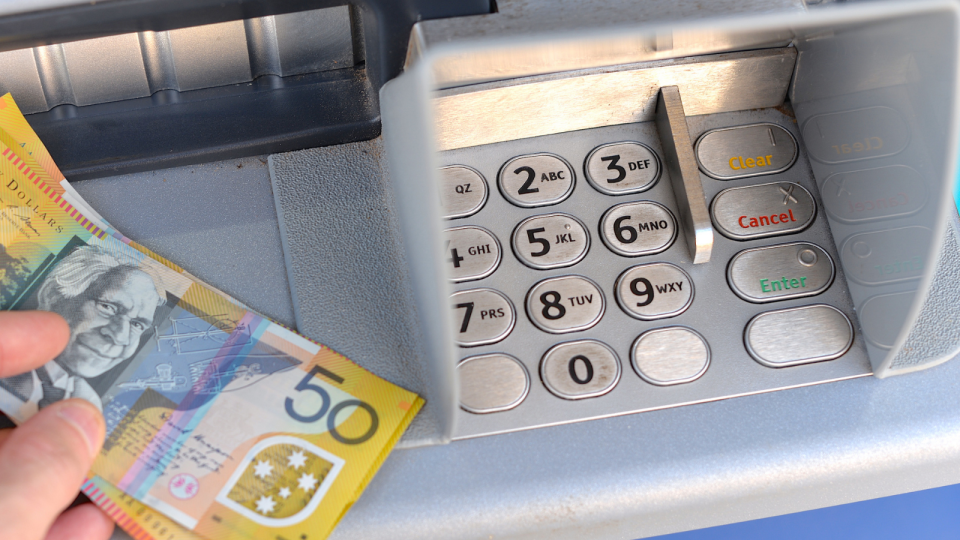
[(757, 209)]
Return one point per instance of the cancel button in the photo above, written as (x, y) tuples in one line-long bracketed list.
[(745, 213)]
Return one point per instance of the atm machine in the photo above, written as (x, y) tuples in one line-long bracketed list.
[(655, 266)]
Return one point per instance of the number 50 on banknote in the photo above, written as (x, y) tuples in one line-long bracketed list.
[(227, 423)]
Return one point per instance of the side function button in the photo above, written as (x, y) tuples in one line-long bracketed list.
[(565, 304), (874, 194), (472, 253), (550, 241), (745, 213), (882, 317), (889, 256), (536, 180), (672, 355), (580, 369), (492, 383), (744, 151), (802, 335), (482, 316), (654, 291), (854, 135), (780, 272), (622, 168), (638, 228), (463, 191)]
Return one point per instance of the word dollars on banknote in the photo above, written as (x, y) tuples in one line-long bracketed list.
[(228, 424)]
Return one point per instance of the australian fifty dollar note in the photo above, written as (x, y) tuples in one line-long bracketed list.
[(228, 424)]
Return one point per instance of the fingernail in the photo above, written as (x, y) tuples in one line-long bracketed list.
[(86, 419)]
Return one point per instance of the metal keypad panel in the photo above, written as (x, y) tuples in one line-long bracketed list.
[(628, 323)]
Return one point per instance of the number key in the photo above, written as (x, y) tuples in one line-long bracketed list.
[(551, 241), (654, 291), (565, 304), (536, 180), (471, 253), (482, 316), (638, 228), (580, 369), (622, 168)]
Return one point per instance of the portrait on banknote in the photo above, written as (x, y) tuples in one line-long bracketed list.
[(110, 302)]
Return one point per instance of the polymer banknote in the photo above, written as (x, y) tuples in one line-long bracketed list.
[(227, 424)]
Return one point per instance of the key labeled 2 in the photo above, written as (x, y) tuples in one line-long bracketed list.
[(482, 316), (654, 291), (622, 168), (565, 304), (638, 228), (472, 253), (551, 241), (536, 180)]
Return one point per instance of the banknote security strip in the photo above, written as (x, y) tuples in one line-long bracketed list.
[(220, 423)]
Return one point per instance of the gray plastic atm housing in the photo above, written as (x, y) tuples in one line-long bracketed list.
[(850, 57)]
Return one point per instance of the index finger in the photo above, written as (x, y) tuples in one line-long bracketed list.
[(29, 339)]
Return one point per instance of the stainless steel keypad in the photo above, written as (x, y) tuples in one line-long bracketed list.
[(780, 272), (565, 304), (622, 168), (551, 241), (745, 213), (682, 327), (472, 253), (462, 191), (654, 291), (638, 228), (580, 369), (492, 383), (672, 355), (483, 316), (536, 180)]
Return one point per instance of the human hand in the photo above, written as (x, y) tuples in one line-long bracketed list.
[(44, 460)]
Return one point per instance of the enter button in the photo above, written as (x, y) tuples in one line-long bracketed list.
[(773, 273)]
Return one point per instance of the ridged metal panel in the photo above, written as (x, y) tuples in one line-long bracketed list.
[(137, 65)]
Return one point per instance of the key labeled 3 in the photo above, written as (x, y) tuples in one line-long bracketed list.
[(622, 168), (536, 180), (483, 316), (551, 241), (654, 291), (638, 228), (565, 304), (472, 253)]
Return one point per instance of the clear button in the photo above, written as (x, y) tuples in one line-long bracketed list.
[(745, 151)]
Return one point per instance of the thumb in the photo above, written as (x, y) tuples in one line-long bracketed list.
[(42, 464)]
